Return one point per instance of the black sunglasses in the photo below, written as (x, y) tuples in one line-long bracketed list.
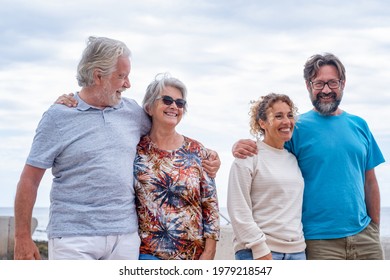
[(167, 100)]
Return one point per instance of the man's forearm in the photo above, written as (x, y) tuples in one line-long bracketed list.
[(372, 194)]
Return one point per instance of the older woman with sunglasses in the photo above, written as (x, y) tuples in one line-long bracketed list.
[(176, 200)]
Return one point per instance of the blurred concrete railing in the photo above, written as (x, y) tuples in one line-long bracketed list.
[(7, 230)]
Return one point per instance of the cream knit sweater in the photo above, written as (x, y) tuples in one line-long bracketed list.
[(265, 202)]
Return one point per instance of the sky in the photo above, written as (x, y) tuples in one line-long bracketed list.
[(227, 53)]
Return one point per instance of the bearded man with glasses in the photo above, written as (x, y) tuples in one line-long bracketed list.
[(337, 154)]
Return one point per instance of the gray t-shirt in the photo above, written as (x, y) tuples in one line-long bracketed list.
[(91, 153)]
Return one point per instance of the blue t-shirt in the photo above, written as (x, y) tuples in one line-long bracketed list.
[(91, 153), (334, 152)]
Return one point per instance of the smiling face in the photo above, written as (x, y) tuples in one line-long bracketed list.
[(326, 100), (167, 115), (279, 126), (114, 84)]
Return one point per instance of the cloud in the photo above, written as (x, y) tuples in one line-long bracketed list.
[(226, 52)]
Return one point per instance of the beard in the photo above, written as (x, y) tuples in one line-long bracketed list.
[(108, 98), (326, 108)]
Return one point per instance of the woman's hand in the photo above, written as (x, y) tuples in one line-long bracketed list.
[(209, 250), (67, 100), (266, 257)]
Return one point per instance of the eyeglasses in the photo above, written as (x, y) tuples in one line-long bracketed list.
[(332, 84), (167, 100)]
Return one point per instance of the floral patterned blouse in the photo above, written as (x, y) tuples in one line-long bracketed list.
[(176, 201)]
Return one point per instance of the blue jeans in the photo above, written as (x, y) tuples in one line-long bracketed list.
[(246, 254), (148, 257)]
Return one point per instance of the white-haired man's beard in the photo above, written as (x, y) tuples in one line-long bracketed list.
[(108, 98), (326, 108)]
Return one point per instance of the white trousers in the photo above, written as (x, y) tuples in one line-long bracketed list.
[(113, 247)]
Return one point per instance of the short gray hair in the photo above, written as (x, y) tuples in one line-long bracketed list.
[(156, 87), (101, 53), (314, 63)]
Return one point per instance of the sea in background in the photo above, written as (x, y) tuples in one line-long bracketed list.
[(42, 215)]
